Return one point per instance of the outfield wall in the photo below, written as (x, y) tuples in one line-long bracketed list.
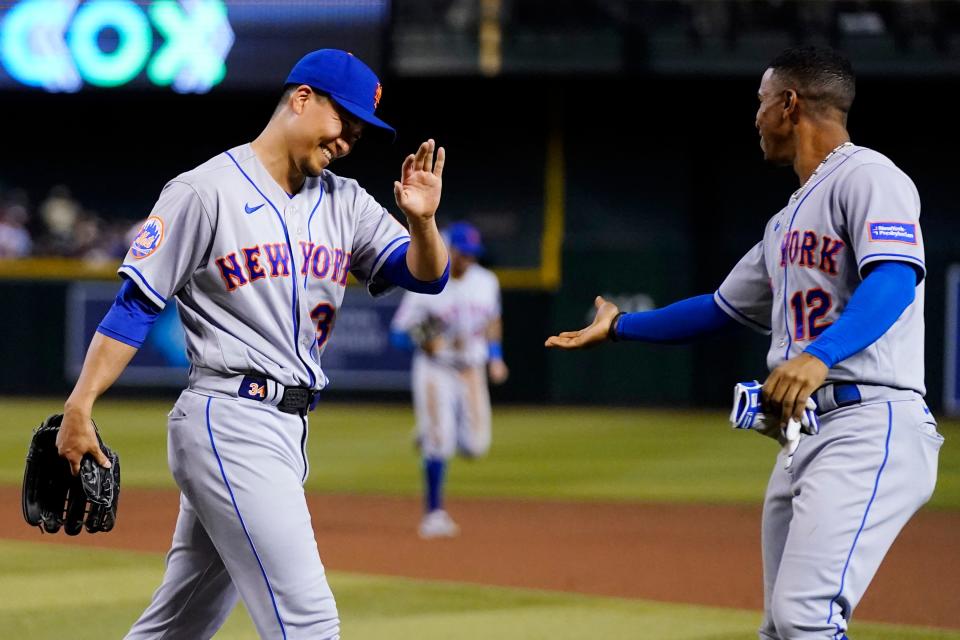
[(579, 185)]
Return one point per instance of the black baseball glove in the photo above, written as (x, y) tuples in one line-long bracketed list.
[(53, 497), (431, 327)]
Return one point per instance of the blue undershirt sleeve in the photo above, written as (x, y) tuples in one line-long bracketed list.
[(401, 340), (873, 308), (680, 322), (396, 272), (131, 316)]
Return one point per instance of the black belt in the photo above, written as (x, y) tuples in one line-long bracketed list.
[(298, 400), (836, 396)]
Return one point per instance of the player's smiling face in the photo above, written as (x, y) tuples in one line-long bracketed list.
[(773, 121), (323, 133)]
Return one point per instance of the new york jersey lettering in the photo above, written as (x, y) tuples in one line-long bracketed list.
[(805, 253), (273, 258)]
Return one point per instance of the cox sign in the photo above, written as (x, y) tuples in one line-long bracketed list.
[(59, 45)]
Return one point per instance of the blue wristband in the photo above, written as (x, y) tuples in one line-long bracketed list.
[(396, 272), (401, 340), (495, 350)]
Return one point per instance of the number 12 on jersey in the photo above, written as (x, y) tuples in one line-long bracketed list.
[(808, 311)]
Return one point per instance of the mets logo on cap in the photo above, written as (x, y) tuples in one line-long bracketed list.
[(149, 238), (377, 95)]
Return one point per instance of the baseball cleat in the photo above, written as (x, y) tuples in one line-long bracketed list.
[(438, 524)]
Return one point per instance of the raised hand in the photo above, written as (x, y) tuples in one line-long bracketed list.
[(418, 190)]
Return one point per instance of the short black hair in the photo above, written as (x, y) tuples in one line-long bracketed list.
[(819, 74)]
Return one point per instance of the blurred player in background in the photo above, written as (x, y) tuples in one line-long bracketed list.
[(456, 336)]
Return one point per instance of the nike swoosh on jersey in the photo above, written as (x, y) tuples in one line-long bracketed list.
[(249, 209)]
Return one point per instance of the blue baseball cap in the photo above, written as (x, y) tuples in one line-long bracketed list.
[(347, 80), (465, 238)]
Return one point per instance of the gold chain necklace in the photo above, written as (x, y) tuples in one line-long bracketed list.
[(813, 175)]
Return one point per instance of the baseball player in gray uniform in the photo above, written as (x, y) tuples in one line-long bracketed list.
[(255, 246), (457, 338), (837, 281)]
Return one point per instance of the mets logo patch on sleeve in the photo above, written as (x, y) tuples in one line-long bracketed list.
[(149, 238), (893, 232)]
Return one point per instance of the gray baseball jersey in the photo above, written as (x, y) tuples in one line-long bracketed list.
[(860, 209), (258, 274), (450, 396), (830, 518), (466, 306)]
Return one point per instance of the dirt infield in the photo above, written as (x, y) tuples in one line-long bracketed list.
[(694, 554)]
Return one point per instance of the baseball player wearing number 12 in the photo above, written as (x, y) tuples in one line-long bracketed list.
[(255, 246), (838, 281)]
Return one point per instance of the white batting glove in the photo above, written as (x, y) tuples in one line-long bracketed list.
[(791, 437), (810, 421), (746, 414)]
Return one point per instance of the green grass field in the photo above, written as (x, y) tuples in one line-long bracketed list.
[(98, 594), (543, 452), (546, 453)]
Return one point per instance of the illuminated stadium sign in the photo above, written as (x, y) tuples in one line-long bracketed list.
[(188, 46), (59, 45)]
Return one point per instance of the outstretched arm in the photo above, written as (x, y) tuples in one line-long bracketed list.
[(680, 322)]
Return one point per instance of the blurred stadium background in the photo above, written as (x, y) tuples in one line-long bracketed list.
[(601, 146)]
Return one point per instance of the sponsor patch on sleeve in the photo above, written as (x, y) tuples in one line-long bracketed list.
[(893, 232), (149, 238)]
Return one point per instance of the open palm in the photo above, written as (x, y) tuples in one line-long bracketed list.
[(598, 331), (418, 190)]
